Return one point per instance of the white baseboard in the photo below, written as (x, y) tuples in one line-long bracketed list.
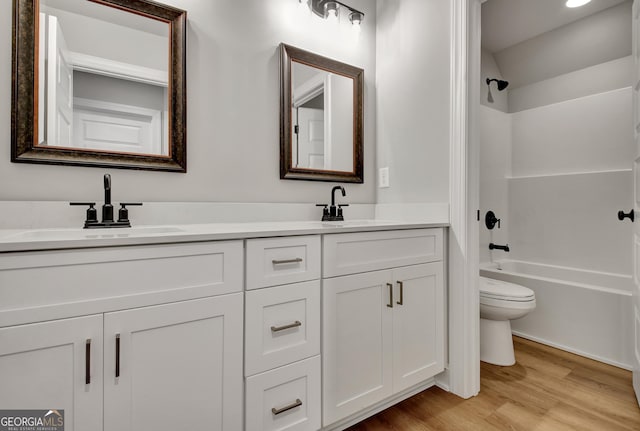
[(572, 350)]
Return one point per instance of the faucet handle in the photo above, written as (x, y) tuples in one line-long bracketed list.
[(339, 214), (82, 203), (325, 211), (123, 212), (92, 213)]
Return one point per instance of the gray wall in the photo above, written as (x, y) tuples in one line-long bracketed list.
[(413, 99), (596, 39), (233, 118)]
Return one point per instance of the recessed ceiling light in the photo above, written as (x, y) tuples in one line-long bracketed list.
[(576, 3)]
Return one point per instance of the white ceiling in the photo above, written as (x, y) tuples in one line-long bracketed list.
[(508, 22), (110, 14)]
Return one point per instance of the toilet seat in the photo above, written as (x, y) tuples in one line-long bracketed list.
[(492, 291)]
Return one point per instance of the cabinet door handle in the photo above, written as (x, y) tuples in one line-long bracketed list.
[(390, 286), (286, 261), (285, 327), (401, 300), (87, 362), (117, 355), (293, 405)]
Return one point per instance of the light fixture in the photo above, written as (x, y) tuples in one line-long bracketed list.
[(576, 3), (356, 18), (330, 10)]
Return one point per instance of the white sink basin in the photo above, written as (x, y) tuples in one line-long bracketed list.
[(75, 234)]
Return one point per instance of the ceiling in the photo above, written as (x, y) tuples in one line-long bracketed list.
[(110, 14), (508, 22)]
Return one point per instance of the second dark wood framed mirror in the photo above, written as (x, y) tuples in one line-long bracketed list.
[(321, 118), (99, 83)]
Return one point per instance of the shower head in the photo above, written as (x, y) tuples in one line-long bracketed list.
[(501, 84)]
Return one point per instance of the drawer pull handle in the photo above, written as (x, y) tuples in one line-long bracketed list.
[(87, 362), (286, 261), (293, 405), (401, 301), (117, 355), (285, 327), (390, 286)]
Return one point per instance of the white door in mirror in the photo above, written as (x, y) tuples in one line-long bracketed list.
[(309, 149), (59, 88)]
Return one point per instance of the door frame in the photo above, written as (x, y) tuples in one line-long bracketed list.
[(463, 378), (635, 356)]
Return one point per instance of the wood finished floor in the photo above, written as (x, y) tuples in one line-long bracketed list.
[(547, 390)]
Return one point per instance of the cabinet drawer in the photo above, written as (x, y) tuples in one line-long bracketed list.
[(351, 253), (274, 261), (48, 285), (282, 325), (287, 398)]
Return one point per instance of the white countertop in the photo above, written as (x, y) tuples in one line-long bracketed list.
[(12, 240)]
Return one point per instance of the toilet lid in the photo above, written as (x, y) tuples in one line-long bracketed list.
[(503, 290)]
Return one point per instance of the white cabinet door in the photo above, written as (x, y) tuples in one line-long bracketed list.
[(357, 344), (180, 366), (418, 324), (54, 365), (383, 332)]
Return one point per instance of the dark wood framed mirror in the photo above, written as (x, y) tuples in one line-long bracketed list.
[(321, 118), (99, 83)]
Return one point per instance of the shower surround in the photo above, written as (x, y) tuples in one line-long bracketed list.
[(556, 175)]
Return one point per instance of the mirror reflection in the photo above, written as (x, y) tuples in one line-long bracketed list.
[(322, 120), (103, 79)]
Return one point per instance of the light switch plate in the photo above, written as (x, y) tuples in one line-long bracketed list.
[(383, 177)]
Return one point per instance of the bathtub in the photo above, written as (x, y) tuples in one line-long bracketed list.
[(580, 311)]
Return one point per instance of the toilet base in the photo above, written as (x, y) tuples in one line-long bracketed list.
[(496, 344)]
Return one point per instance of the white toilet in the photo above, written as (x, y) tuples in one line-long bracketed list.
[(501, 302)]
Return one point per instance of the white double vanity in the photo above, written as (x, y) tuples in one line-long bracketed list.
[(270, 326)]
